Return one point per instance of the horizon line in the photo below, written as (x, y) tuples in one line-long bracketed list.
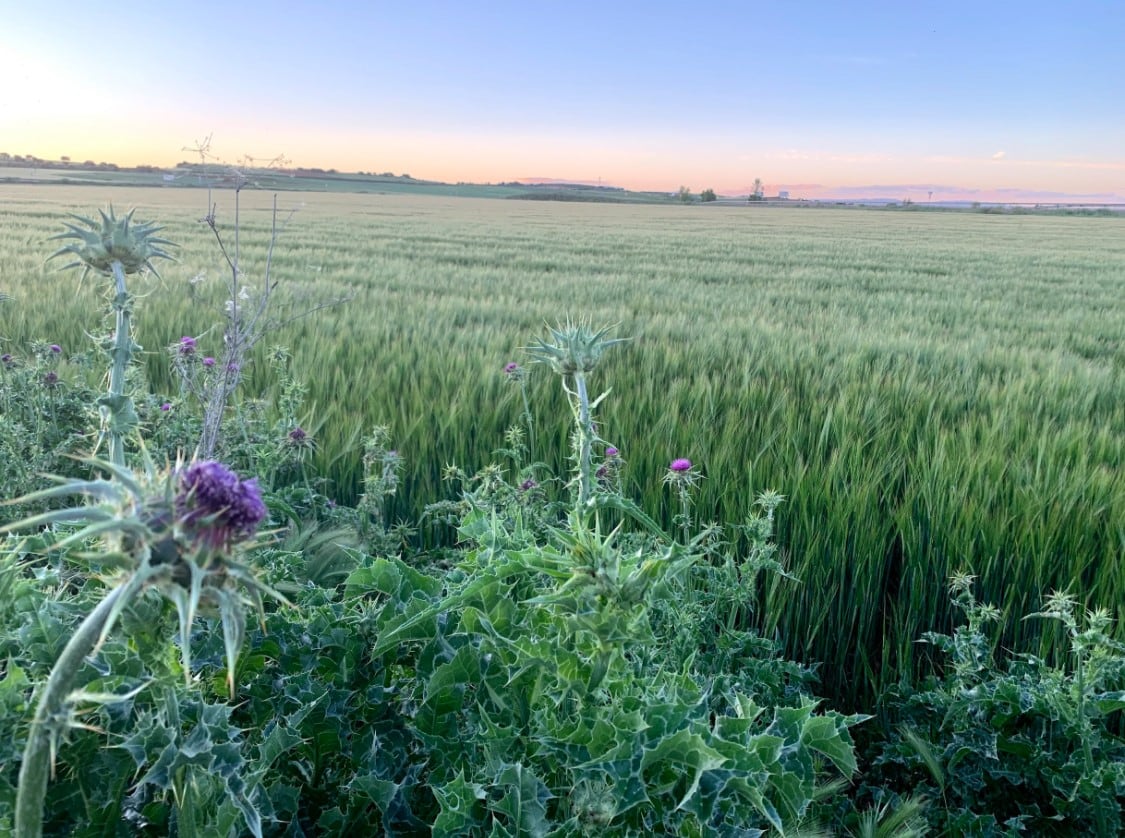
[(944, 193)]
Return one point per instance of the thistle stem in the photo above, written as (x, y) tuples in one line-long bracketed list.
[(528, 420), (585, 440), (685, 511), (116, 408), (36, 766)]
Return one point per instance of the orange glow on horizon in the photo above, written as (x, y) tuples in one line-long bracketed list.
[(660, 167)]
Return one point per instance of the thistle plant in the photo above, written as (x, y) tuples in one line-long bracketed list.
[(175, 530), (382, 467), (682, 476), (518, 375), (1012, 741), (573, 353), (187, 360), (115, 247), (609, 472), (1098, 662)]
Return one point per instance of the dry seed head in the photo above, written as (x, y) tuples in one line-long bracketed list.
[(99, 244)]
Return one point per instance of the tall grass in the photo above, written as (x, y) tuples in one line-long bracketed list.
[(930, 391)]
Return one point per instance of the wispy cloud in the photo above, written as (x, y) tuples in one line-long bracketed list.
[(1094, 165), (890, 190)]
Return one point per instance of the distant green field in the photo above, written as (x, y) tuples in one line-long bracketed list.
[(931, 392), (320, 181)]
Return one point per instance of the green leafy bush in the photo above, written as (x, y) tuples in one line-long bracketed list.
[(1022, 747), (48, 418), (545, 706)]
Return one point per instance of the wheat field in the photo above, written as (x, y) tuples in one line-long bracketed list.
[(930, 391)]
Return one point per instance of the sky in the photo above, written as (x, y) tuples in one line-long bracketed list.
[(984, 100)]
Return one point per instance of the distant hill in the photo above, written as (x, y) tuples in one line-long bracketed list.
[(31, 169)]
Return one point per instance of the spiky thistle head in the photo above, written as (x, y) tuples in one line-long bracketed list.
[(215, 507), (99, 243), (575, 347), (177, 530), (682, 474)]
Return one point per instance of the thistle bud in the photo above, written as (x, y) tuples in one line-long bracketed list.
[(100, 244), (575, 347)]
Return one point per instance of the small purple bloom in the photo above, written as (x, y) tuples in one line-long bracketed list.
[(208, 361), (7, 359), (611, 452), (217, 507), (528, 485), (55, 349), (233, 367), (298, 436), (680, 465), (602, 472), (51, 379), (511, 367), (187, 345), (166, 406)]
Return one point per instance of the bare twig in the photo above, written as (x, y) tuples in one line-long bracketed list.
[(244, 328)]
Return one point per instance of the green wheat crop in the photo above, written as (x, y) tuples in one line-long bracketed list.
[(929, 391)]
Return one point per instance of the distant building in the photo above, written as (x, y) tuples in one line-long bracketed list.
[(783, 195)]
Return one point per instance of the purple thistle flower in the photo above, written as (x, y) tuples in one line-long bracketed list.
[(55, 349), (187, 345), (233, 367), (611, 452), (51, 379), (511, 367), (166, 406), (602, 472), (680, 465), (208, 361), (7, 359), (216, 507), (528, 485)]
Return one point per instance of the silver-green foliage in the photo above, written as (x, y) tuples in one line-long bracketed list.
[(136, 748), (170, 531), (547, 707), (115, 248)]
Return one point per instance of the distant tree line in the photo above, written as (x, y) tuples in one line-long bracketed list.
[(685, 196), (30, 160)]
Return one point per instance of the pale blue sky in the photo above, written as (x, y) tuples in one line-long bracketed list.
[(814, 96)]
